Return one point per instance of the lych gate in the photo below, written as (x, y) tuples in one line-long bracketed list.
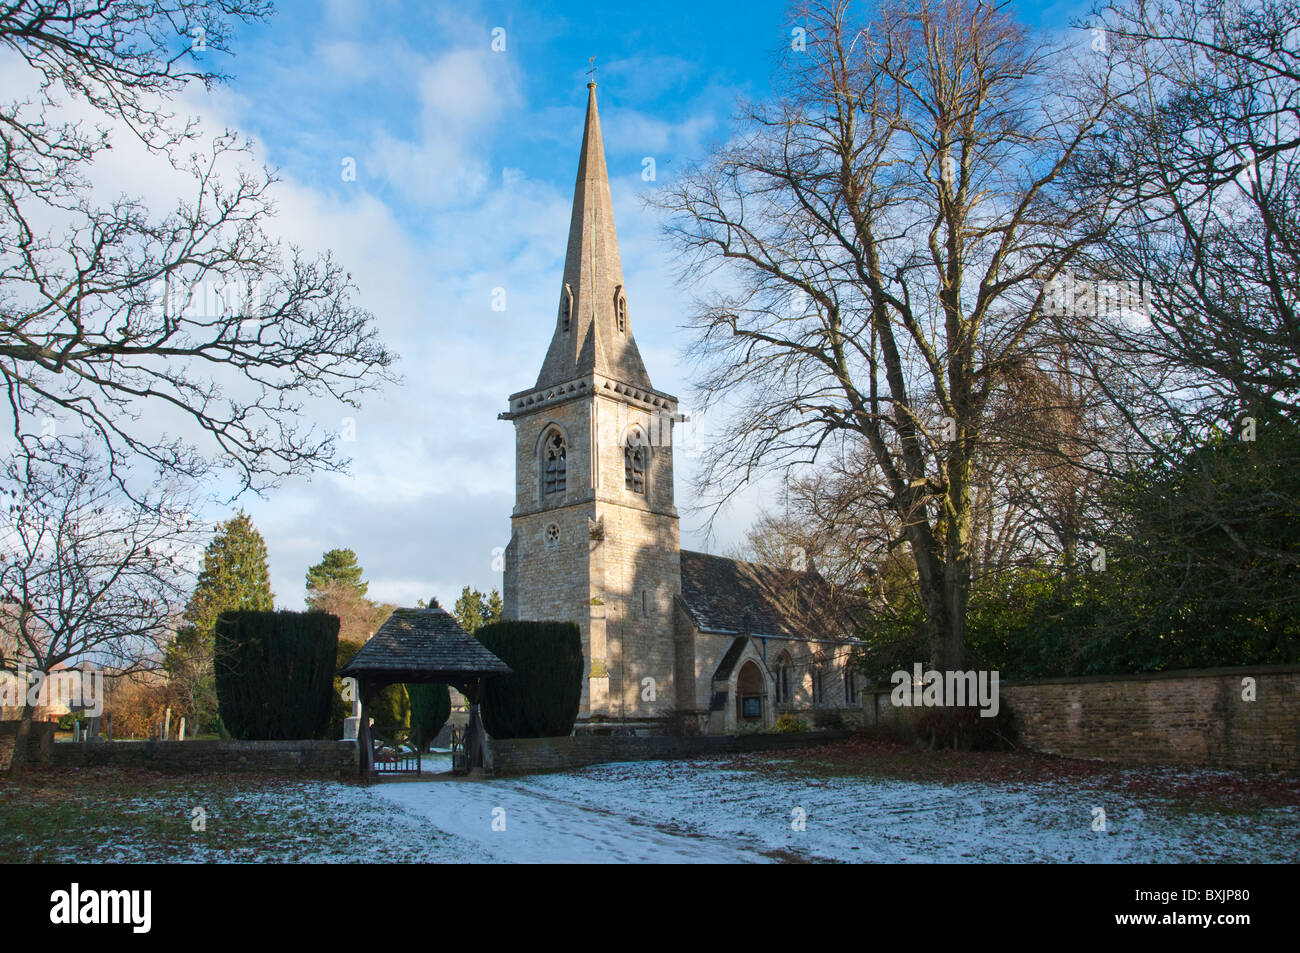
[(424, 646)]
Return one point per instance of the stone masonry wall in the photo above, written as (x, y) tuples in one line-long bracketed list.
[(537, 755), (38, 743), (324, 758), (1190, 717), (629, 567), (1177, 717), (635, 568), (549, 579), (642, 575)]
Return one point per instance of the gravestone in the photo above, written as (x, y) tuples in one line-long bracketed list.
[(353, 722)]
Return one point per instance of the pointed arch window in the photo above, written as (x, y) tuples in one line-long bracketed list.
[(555, 467), (635, 455), (783, 679), (620, 309), (566, 306), (818, 679)]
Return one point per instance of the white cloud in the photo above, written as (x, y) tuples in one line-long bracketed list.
[(462, 96), (430, 490)]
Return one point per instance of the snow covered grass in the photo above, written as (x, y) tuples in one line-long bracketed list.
[(865, 801), (851, 802), (757, 804), (102, 815)]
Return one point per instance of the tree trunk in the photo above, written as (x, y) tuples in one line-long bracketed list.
[(941, 593), (19, 757)]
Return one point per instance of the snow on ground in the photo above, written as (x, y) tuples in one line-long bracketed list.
[(332, 824), (517, 824), (702, 811), (288, 822), (514, 823)]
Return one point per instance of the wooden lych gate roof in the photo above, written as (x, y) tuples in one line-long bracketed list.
[(422, 645)]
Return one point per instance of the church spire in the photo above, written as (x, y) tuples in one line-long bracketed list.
[(593, 331)]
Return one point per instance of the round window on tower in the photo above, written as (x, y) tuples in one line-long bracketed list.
[(552, 534)]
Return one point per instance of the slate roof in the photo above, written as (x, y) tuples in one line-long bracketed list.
[(423, 645), (729, 596)]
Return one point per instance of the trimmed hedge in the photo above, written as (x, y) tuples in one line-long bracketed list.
[(430, 709), (275, 673), (541, 698), (391, 711)]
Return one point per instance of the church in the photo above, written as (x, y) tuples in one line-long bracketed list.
[(669, 636)]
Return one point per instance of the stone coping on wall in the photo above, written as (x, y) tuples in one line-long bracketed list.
[(335, 758), (516, 756), (1126, 677), (1147, 676)]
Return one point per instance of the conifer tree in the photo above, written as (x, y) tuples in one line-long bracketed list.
[(475, 609), (337, 567), (235, 575)]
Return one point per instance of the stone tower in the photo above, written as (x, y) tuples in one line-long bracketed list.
[(594, 531)]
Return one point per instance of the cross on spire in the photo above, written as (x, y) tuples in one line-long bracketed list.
[(592, 72)]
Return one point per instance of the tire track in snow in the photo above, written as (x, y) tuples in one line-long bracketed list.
[(543, 828)]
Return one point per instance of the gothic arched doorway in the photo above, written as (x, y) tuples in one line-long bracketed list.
[(751, 703)]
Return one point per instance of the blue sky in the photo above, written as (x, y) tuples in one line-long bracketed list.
[(465, 160)]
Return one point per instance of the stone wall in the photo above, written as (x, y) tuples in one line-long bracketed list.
[(1194, 717), (608, 544), (547, 579), (38, 743), (325, 758), (538, 755)]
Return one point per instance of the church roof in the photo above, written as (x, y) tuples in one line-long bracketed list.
[(422, 645), (730, 596), (595, 340)]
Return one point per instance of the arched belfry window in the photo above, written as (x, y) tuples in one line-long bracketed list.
[(566, 306), (555, 467), (620, 308), (635, 457)]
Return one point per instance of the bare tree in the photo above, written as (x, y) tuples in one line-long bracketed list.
[(359, 617), (889, 225), (1034, 502), (1201, 168), (112, 318), (88, 574), (1201, 165)]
